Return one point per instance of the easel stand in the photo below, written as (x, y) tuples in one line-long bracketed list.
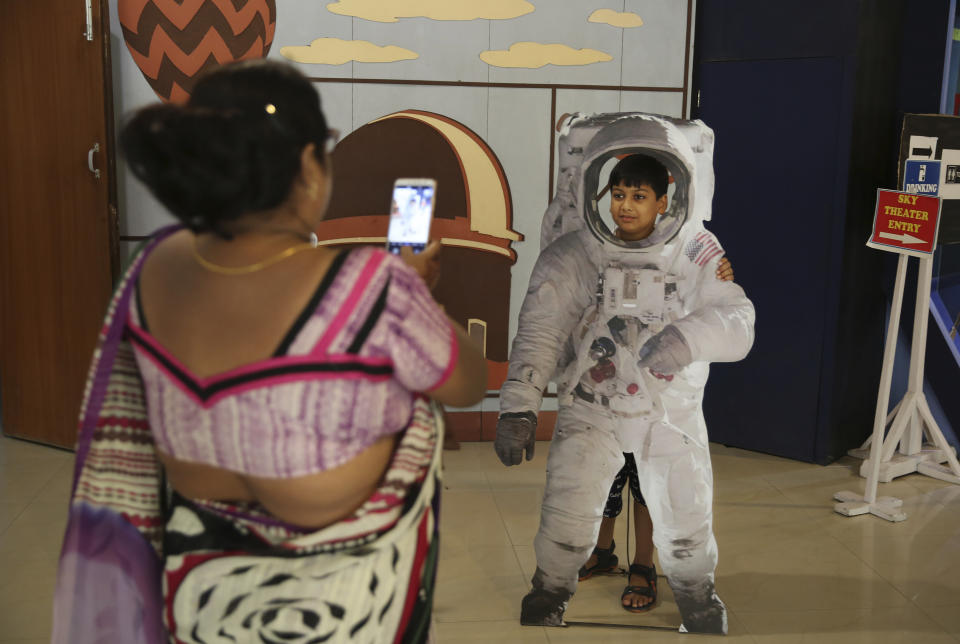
[(914, 442)]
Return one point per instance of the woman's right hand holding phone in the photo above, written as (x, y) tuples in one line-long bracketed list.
[(426, 262)]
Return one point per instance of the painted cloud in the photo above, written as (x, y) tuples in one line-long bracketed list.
[(613, 18), (334, 51), (381, 11), (533, 55)]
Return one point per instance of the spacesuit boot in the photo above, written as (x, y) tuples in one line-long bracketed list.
[(700, 607), (541, 607)]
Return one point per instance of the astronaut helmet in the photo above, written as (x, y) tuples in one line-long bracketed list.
[(590, 142)]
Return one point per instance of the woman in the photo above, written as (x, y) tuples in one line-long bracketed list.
[(274, 384)]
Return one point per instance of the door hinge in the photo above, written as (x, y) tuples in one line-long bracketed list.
[(89, 32)]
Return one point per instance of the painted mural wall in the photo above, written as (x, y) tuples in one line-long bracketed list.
[(466, 91)]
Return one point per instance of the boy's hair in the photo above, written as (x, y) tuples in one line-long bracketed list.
[(639, 170)]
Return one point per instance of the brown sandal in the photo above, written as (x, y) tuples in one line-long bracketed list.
[(606, 562)]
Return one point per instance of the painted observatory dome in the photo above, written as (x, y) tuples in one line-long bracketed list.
[(473, 215)]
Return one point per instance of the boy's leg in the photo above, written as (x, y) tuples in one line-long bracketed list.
[(677, 481), (604, 543), (605, 537), (584, 459), (643, 556), (643, 528), (644, 542)]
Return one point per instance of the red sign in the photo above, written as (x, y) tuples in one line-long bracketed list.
[(905, 223)]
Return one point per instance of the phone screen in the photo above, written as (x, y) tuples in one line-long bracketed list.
[(410, 215)]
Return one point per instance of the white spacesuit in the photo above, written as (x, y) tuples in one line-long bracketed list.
[(626, 330)]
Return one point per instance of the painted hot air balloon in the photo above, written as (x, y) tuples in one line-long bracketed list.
[(172, 41)]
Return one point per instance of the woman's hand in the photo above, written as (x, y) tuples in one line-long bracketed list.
[(426, 262), (725, 270)]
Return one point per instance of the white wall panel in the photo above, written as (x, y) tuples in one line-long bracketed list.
[(468, 105), (667, 103), (448, 50), (653, 55), (564, 23), (520, 137), (586, 101), (300, 23), (336, 99)]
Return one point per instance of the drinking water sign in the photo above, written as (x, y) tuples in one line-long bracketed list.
[(905, 222), (921, 177)]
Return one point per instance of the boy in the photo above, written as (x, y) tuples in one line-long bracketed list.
[(630, 360)]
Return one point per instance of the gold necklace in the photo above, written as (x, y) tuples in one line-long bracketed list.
[(251, 268)]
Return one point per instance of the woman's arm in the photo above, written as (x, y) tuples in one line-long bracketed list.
[(467, 384)]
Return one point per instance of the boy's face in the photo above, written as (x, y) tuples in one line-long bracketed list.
[(635, 210)]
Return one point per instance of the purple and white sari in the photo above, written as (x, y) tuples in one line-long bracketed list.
[(142, 565)]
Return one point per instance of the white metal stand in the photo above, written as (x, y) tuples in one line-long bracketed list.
[(904, 449)]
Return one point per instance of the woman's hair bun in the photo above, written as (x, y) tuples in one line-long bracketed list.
[(234, 148)]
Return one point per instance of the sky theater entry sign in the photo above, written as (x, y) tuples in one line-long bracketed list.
[(905, 223)]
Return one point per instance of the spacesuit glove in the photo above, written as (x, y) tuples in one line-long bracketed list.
[(665, 353), (516, 432)]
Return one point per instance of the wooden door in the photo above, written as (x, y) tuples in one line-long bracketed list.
[(57, 222)]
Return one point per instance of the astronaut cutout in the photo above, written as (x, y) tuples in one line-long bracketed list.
[(626, 330)]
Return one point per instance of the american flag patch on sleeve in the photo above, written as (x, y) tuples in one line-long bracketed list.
[(702, 248)]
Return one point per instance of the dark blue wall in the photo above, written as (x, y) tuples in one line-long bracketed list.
[(806, 106)]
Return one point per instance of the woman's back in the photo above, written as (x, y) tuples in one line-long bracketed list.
[(213, 324)]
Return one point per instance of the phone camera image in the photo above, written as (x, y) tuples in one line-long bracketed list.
[(411, 213)]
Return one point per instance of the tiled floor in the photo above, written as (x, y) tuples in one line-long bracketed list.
[(790, 569)]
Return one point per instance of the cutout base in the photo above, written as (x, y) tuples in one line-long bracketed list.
[(852, 504)]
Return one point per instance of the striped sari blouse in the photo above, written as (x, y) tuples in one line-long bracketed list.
[(344, 376)]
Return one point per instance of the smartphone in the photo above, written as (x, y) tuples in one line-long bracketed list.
[(411, 213)]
